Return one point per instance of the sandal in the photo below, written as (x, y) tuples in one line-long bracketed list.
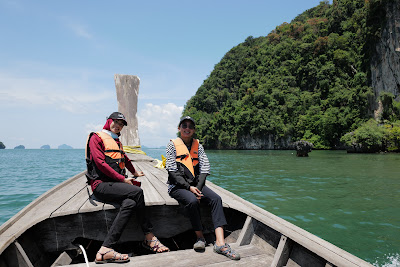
[(156, 246), (113, 259), (228, 251)]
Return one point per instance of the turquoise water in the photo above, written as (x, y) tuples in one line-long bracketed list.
[(28, 173), (350, 200)]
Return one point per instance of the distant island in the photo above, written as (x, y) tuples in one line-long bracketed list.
[(64, 146), (19, 147), (2, 146), (45, 147)]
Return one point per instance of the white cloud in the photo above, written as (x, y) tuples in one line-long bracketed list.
[(158, 123), (69, 95), (90, 127)]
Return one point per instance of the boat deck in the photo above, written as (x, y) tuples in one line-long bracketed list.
[(250, 256)]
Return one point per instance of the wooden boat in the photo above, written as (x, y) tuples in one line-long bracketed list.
[(48, 232), (67, 224)]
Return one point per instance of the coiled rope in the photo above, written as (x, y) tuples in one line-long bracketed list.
[(134, 150)]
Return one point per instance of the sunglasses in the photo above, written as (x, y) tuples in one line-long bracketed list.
[(120, 123), (184, 126)]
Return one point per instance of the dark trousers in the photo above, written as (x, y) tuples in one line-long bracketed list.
[(131, 199), (189, 201)]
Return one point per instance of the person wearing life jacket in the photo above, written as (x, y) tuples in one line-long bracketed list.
[(106, 163), (188, 166)]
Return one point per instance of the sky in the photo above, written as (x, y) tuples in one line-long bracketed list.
[(58, 60)]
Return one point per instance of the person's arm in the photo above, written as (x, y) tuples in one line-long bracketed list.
[(201, 181), (97, 155), (174, 176), (204, 166), (129, 166)]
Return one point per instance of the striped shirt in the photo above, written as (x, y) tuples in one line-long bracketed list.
[(170, 164)]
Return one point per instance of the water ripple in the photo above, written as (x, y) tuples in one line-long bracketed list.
[(339, 226)]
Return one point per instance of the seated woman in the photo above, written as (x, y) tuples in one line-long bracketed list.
[(187, 172), (106, 162)]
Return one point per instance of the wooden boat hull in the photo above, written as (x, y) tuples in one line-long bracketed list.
[(49, 231)]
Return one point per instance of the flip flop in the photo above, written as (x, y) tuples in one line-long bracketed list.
[(156, 246), (111, 260)]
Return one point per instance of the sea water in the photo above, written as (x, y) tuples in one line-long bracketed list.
[(350, 200)]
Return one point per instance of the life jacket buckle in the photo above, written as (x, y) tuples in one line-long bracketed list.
[(182, 157), (121, 163)]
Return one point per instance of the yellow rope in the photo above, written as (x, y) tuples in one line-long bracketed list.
[(132, 149), (161, 163)]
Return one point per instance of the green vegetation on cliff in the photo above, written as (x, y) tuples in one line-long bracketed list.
[(307, 80), (381, 135)]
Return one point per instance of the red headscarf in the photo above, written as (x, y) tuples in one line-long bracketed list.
[(108, 124)]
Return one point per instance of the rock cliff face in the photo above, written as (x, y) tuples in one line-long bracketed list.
[(385, 60), (266, 142)]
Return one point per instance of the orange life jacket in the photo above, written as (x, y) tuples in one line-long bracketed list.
[(114, 156), (189, 160)]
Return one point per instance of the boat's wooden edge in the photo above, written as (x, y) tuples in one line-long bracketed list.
[(15, 226), (37, 201), (328, 251)]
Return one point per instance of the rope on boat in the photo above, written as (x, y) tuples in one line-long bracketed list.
[(134, 150), (84, 255), (161, 163)]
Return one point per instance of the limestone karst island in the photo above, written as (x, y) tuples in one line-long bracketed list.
[(330, 77)]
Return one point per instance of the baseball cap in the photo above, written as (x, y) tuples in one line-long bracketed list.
[(118, 116), (186, 118)]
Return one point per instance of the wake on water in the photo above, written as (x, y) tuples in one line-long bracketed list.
[(390, 261)]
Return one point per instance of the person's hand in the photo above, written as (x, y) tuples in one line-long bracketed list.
[(137, 174), (196, 191), (129, 180)]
